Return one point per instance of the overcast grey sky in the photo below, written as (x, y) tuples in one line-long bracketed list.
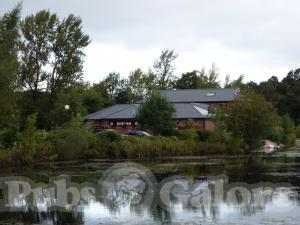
[(257, 38)]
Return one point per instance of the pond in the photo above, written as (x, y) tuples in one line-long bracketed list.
[(203, 190)]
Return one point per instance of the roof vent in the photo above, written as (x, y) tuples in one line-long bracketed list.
[(210, 94)]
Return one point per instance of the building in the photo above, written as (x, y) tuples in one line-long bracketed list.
[(192, 104)]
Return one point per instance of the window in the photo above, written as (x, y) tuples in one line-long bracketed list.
[(211, 94), (123, 123)]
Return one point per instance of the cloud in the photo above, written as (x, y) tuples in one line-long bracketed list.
[(254, 37)]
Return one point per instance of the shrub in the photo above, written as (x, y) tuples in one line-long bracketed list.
[(104, 143), (5, 157), (109, 136), (26, 148), (188, 134), (8, 137), (73, 141), (233, 143)]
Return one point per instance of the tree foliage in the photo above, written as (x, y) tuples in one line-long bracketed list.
[(51, 59), (199, 79), (250, 117), (284, 94), (9, 37), (156, 114), (164, 69), (51, 52)]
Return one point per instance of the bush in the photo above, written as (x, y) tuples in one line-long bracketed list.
[(8, 137), (109, 136), (104, 142), (74, 141), (5, 157), (188, 134), (234, 144)]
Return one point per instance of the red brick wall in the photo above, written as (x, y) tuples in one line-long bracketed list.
[(123, 129), (209, 125)]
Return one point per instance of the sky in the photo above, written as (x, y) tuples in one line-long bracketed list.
[(256, 38)]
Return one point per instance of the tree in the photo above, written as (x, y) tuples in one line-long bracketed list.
[(289, 89), (188, 80), (67, 54), (9, 37), (250, 117), (238, 83), (199, 79), (101, 90), (289, 133), (164, 69), (209, 80), (112, 82), (51, 58), (124, 93), (137, 82), (156, 114), (37, 31), (51, 45)]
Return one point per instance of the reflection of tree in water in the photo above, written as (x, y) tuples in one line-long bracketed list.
[(72, 217), (248, 169), (161, 215)]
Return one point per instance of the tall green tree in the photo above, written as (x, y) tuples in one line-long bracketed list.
[(35, 49), (156, 114), (9, 37), (67, 54), (250, 117), (164, 69), (141, 84), (289, 89), (112, 83), (51, 56), (137, 82)]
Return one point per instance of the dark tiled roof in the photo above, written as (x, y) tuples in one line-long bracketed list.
[(128, 111), (201, 95), (119, 111)]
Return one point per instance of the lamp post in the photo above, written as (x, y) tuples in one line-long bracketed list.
[(67, 108)]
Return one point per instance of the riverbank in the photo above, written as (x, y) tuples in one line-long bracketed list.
[(108, 145), (77, 141)]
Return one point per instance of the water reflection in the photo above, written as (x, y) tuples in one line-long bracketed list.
[(193, 196)]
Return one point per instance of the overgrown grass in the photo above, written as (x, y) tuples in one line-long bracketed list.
[(79, 142)]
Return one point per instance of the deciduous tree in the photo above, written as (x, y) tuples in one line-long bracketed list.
[(164, 69), (156, 114), (9, 37)]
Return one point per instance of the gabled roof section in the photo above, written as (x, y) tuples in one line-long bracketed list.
[(201, 95), (128, 111), (191, 111), (119, 111)]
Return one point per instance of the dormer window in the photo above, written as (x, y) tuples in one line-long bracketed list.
[(210, 94)]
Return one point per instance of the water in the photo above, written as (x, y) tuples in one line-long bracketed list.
[(127, 204)]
